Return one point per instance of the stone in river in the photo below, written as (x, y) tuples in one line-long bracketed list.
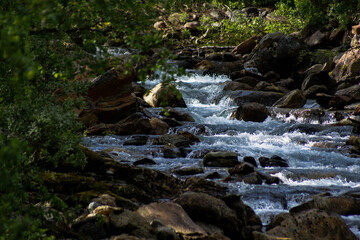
[(220, 159)]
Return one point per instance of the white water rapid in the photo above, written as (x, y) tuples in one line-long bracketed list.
[(312, 169)]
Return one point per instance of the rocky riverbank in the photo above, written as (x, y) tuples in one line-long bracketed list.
[(271, 76)]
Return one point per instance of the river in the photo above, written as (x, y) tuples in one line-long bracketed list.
[(312, 169)]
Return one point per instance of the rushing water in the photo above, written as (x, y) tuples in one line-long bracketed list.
[(313, 170)]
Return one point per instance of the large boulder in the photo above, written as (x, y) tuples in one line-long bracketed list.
[(205, 208), (267, 98), (254, 112), (312, 224), (277, 52), (293, 99), (171, 215), (348, 66), (220, 159), (109, 98), (163, 95)]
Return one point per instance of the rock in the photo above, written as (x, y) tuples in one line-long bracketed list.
[(178, 140), (198, 184), (274, 161), (348, 66), (318, 38), (312, 224), (173, 216), (192, 26), (321, 78), (220, 159), (125, 237), (111, 85), (218, 68), (250, 160), (293, 99), (269, 39), (177, 115), (253, 111), (235, 85), (247, 46), (269, 179), (272, 76), (242, 169), (276, 52), (352, 92), (246, 76), (105, 199), (160, 25), (250, 178), (268, 87), (163, 95), (213, 175), (144, 161), (312, 92), (205, 208), (343, 205), (136, 123), (105, 210), (267, 98), (192, 170), (137, 140), (95, 227), (170, 151), (131, 223), (163, 232)]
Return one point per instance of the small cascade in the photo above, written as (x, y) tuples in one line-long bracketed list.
[(312, 147)]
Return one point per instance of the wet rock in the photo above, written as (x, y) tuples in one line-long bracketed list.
[(198, 184), (171, 122), (205, 208), (268, 87), (247, 46), (312, 224), (187, 170), (131, 223), (178, 140), (274, 161), (137, 140), (269, 179), (250, 160), (343, 205), (253, 111), (177, 115), (220, 159), (172, 215), (170, 151), (242, 169), (144, 161), (235, 85), (293, 99), (348, 66), (250, 178), (266, 98), (163, 95)]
